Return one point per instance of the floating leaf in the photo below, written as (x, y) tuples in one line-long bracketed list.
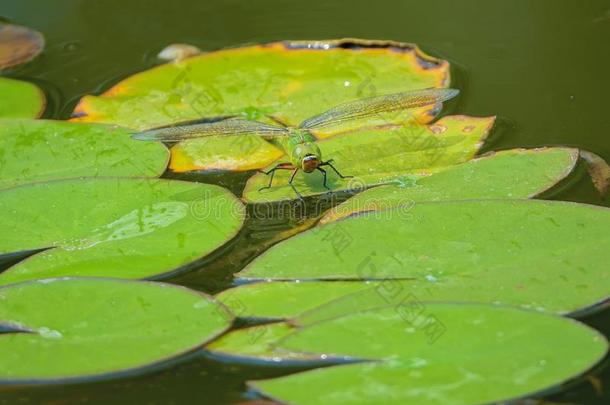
[(516, 173), (126, 228), (83, 328), (20, 99), (525, 250), (41, 150), (380, 156), (440, 353), (18, 45), (599, 170), (290, 81)]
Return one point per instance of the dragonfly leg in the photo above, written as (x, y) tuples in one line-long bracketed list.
[(294, 173), (324, 173), (279, 166), (330, 164)]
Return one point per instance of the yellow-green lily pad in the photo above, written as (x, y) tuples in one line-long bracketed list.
[(378, 156), (515, 173), (20, 99), (239, 153), (113, 227), (289, 81), (58, 330), (43, 150)]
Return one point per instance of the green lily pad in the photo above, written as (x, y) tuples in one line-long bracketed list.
[(65, 329), (41, 150), (380, 156), (20, 99), (289, 81), (516, 173), (114, 227), (447, 353), (18, 45), (525, 251)]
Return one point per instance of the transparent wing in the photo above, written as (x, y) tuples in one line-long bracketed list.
[(198, 129), (367, 107)]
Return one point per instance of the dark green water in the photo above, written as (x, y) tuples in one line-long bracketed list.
[(541, 66)]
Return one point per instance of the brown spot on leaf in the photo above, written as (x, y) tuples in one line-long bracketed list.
[(468, 128), (18, 45), (438, 129)]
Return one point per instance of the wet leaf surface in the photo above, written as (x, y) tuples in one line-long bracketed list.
[(91, 328), (18, 45), (515, 173), (20, 99), (42, 150), (126, 228)]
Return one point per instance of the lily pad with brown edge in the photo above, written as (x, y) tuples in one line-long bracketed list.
[(18, 45), (43, 150), (289, 81), (522, 251), (409, 355), (379, 156), (239, 153), (114, 227), (515, 173), (74, 329), (20, 99)]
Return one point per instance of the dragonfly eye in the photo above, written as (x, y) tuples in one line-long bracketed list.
[(310, 163)]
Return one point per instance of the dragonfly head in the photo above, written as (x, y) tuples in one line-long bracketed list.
[(310, 163)]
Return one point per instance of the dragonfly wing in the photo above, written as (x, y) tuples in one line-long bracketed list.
[(370, 106), (194, 129)]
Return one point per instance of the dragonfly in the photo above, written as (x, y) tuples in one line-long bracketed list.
[(298, 142)]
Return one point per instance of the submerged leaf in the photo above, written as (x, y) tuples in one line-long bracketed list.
[(84, 328), (113, 227), (20, 99), (515, 173), (41, 150), (599, 170), (18, 45), (257, 343), (441, 353)]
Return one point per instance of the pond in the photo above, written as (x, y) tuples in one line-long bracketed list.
[(540, 67)]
